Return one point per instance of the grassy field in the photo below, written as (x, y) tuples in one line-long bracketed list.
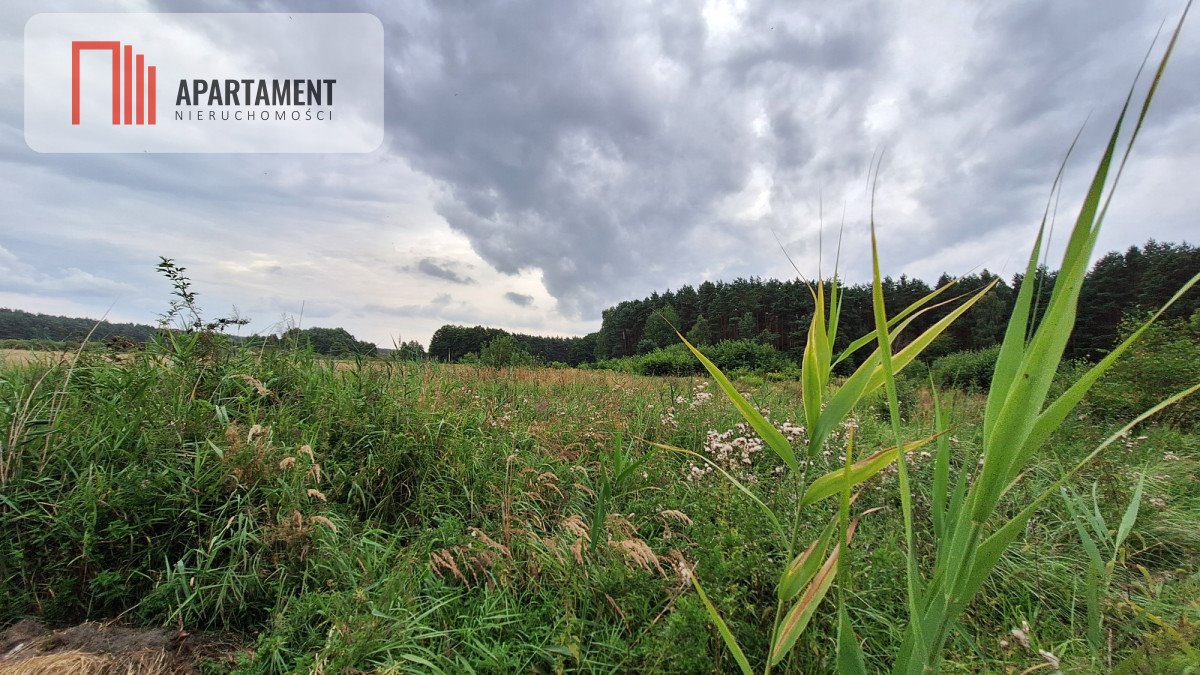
[(307, 515), (405, 516)]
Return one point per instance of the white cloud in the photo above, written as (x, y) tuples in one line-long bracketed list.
[(578, 157)]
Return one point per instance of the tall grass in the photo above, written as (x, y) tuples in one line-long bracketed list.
[(970, 531)]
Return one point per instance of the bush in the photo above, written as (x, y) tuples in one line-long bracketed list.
[(731, 356), (504, 352), (745, 355), (673, 360), (1165, 360), (966, 370)]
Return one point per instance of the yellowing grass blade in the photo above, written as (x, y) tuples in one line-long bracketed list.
[(805, 565), (812, 375), (799, 615)]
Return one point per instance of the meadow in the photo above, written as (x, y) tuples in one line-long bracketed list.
[(261, 509), (426, 517)]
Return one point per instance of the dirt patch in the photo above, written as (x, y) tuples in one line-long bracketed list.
[(29, 648)]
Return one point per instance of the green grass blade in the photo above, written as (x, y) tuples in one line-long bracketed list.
[(1024, 399), (1074, 508), (841, 479), (871, 337), (849, 653), (1054, 414), (992, 548), (1131, 514), (850, 658), (1099, 525), (812, 375), (765, 429), (885, 352), (941, 467), (723, 629), (912, 350)]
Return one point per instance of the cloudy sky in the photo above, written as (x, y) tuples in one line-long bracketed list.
[(544, 160)]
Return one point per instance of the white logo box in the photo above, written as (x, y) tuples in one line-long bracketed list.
[(284, 83)]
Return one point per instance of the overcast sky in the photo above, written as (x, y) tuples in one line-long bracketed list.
[(545, 160)]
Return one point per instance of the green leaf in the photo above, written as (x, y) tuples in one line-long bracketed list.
[(941, 467), (837, 480), (797, 618), (1077, 517), (765, 429), (870, 337), (850, 659), (804, 567), (726, 634), (1131, 514)]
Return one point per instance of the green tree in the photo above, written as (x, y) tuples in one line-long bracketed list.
[(505, 352), (660, 327), (701, 333), (410, 351), (747, 327)]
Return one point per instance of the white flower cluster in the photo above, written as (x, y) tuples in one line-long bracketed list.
[(738, 450), (700, 397)]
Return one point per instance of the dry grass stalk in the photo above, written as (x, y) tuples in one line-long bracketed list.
[(76, 662), (443, 560), (671, 514), (322, 520), (575, 525), (639, 553), (482, 536), (257, 384), (620, 524)]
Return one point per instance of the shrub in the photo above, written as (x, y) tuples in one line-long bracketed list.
[(673, 360), (504, 352), (966, 370), (745, 355), (1164, 361)]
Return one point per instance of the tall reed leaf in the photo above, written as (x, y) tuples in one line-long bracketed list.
[(1017, 419)]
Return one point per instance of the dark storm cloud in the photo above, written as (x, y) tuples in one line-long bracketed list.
[(519, 299), (591, 143), (431, 267), (614, 149)]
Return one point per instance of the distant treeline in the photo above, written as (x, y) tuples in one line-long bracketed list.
[(777, 313), (452, 343), (767, 312), (56, 331), (16, 324)]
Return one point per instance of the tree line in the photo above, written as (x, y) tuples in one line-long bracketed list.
[(16, 324), (776, 313), (452, 343), (768, 312)]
